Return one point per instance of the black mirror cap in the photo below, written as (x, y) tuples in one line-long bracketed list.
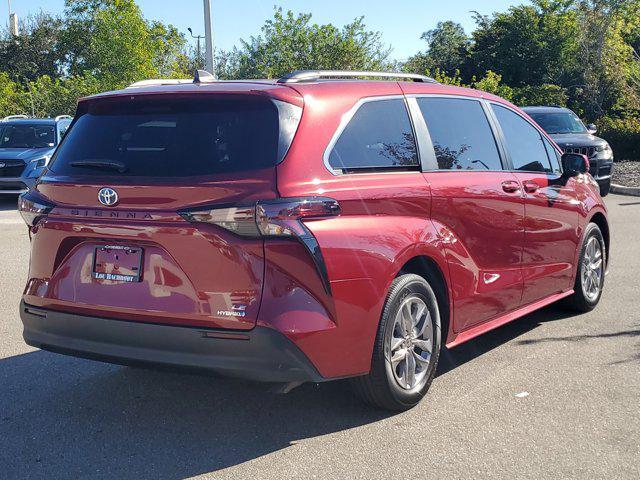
[(574, 164), (592, 128)]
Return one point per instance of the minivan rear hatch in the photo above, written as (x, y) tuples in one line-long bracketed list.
[(117, 243)]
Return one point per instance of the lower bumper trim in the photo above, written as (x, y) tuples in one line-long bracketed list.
[(13, 186), (266, 355)]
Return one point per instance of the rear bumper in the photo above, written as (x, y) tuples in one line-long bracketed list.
[(262, 354)]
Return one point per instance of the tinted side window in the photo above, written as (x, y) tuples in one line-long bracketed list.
[(461, 135), (378, 136), (524, 142)]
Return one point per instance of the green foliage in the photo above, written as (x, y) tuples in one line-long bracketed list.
[(609, 72), (623, 134), (35, 52), (9, 96), (97, 45), (528, 44), (289, 42), (546, 94), (47, 97), (440, 76), (112, 41), (492, 83), (447, 50)]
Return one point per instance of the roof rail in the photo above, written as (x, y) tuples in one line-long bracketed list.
[(315, 75), (63, 117), (15, 117), (158, 81)]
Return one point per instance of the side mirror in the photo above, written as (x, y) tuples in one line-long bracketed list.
[(573, 164), (592, 128)]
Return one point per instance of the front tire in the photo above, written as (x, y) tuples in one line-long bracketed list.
[(605, 188), (406, 349), (591, 271)]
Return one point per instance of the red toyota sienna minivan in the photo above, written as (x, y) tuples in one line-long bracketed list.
[(312, 228)]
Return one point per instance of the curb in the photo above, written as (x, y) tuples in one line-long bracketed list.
[(621, 190)]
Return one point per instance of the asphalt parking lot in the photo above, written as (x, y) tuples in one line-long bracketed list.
[(553, 395)]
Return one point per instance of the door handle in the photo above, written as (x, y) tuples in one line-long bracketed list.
[(511, 186), (530, 186)]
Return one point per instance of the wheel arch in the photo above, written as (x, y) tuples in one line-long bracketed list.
[(426, 267), (601, 221)]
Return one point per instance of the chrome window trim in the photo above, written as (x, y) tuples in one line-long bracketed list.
[(504, 160), (346, 119)]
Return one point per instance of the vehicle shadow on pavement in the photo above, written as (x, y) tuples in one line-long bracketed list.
[(70, 418), (62, 417), (450, 359)]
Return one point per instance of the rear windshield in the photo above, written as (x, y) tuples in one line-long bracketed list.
[(171, 137)]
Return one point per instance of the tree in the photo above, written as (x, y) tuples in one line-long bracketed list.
[(492, 83), (610, 71), (289, 42), (10, 92), (35, 51), (528, 44), (49, 97), (112, 41), (447, 50)]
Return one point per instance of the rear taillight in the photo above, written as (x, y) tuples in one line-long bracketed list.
[(274, 218), (33, 208), (268, 218)]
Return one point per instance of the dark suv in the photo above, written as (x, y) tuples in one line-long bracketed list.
[(306, 229), (572, 136), (26, 145)]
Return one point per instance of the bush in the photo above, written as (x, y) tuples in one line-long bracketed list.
[(547, 94), (623, 134), (492, 83), (10, 97), (49, 97)]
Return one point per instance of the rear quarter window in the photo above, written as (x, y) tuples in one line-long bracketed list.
[(172, 137), (378, 136)]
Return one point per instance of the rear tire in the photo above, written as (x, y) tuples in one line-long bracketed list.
[(407, 347), (590, 273)]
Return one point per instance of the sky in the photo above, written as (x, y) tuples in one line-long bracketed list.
[(401, 22)]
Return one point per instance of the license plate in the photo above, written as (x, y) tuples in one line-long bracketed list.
[(118, 263)]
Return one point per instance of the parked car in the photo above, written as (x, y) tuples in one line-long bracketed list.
[(26, 145), (572, 136), (306, 229)]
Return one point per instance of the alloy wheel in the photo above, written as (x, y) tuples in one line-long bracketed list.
[(592, 269), (411, 343)]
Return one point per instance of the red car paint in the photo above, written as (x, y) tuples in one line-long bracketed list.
[(505, 243)]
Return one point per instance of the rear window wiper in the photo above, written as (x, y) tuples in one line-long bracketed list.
[(101, 165)]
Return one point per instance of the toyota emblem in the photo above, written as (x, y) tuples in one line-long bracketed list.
[(108, 197)]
